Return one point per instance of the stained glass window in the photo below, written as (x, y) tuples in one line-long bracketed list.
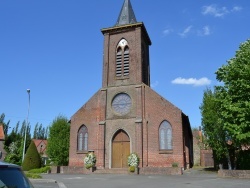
[(165, 136), (82, 139)]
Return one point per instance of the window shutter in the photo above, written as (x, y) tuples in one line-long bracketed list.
[(126, 62), (119, 62)]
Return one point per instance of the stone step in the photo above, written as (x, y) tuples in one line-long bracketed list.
[(112, 171)]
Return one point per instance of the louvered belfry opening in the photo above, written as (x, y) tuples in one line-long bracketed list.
[(122, 59), (119, 62), (126, 62)]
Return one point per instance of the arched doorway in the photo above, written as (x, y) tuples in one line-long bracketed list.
[(120, 149)]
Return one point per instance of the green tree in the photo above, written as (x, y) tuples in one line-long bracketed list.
[(226, 111), (32, 159), (17, 137), (214, 134), (58, 141), (13, 155), (235, 96), (40, 132)]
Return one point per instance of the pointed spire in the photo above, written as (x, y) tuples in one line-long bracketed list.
[(127, 15)]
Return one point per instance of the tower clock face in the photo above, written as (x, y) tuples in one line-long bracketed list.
[(121, 103)]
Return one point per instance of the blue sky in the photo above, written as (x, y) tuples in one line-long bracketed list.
[(54, 48)]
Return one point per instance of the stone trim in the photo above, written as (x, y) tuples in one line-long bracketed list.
[(170, 151)]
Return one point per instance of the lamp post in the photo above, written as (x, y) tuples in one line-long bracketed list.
[(25, 132)]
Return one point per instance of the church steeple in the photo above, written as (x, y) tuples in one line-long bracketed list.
[(126, 15), (126, 51)]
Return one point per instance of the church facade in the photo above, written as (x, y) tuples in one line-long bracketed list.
[(126, 115)]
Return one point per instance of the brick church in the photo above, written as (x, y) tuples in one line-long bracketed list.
[(126, 115)]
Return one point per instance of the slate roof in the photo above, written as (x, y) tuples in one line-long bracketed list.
[(126, 15)]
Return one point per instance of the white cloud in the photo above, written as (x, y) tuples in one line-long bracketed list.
[(192, 81), (186, 31), (206, 31), (236, 9), (216, 11), (155, 84), (167, 31)]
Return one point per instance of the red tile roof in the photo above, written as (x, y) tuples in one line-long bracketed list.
[(1, 133), (40, 145)]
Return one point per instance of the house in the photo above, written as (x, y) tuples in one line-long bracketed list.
[(2, 137), (126, 115), (41, 148)]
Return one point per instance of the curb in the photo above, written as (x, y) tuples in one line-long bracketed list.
[(43, 180), (60, 184)]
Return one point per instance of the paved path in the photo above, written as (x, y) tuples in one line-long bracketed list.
[(190, 179)]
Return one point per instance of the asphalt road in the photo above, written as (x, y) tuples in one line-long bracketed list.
[(190, 179)]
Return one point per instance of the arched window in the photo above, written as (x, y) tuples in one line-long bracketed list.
[(122, 59), (165, 136), (82, 139)]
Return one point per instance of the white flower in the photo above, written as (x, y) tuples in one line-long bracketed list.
[(133, 160), (90, 159)]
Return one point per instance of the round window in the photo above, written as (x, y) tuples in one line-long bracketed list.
[(121, 103)]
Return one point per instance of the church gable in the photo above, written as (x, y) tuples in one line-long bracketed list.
[(90, 109), (161, 104), (164, 130)]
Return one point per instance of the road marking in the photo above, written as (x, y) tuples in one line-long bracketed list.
[(61, 185), (74, 178)]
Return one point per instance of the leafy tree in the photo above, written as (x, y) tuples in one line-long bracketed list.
[(58, 141), (17, 137), (40, 132), (13, 155), (235, 96), (226, 111), (32, 159), (214, 133)]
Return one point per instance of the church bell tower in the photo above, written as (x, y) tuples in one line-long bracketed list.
[(126, 51)]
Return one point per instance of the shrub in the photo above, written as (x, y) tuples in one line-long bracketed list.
[(33, 176), (32, 158), (40, 170), (175, 164)]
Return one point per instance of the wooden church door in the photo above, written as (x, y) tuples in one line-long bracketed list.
[(120, 150)]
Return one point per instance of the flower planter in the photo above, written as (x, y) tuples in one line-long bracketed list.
[(90, 161), (134, 170)]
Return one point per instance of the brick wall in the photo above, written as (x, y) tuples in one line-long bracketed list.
[(234, 173), (207, 158), (135, 35)]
